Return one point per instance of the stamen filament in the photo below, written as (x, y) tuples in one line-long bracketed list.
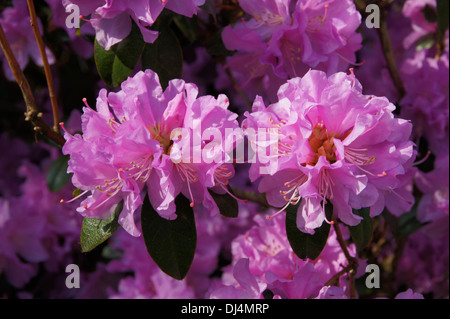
[(62, 201)]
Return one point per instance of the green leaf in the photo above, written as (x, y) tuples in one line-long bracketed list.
[(303, 244), (117, 64), (170, 243), (95, 231), (404, 225), (442, 10), (76, 192), (187, 26), (408, 223), (215, 46), (57, 176), (425, 42), (164, 56), (228, 206), (429, 13), (362, 233)]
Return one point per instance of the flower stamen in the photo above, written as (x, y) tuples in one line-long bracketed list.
[(189, 176)]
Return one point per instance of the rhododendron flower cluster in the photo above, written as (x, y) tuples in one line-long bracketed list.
[(334, 144), (224, 149), (280, 42), (112, 19), (427, 100), (263, 259), (154, 127)]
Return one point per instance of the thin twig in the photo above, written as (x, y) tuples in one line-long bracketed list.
[(334, 281), (250, 196), (341, 240), (32, 113), (352, 261), (386, 44), (48, 73), (17, 72)]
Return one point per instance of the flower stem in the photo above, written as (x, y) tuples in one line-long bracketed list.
[(352, 261), (386, 44), (48, 73), (383, 34), (251, 196), (32, 113), (334, 281)]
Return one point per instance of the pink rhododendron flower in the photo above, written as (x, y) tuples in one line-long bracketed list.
[(426, 102), (20, 243), (78, 43), (112, 19), (271, 261), (332, 292), (245, 286), (329, 142), (15, 22), (148, 281), (284, 39), (409, 294), (18, 151), (412, 9), (142, 136), (31, 227), (424, 264), (433, 208)]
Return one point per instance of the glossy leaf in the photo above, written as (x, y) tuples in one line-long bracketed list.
[(170, 243), (57, 176), (442, 10), (117, 64), (408, 223), (187, 26), (362, 233), (95, 231), (164, 56), (215, 46), (307, 245), (228, 206)]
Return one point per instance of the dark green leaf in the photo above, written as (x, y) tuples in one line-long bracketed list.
[(57, 175), (117, 64), (187, 26), (404, 225), (164, 56), (442, 17), (95, 231), (215, 46), (429, 13), (408, 223), (362, 233), (303, 244), (228, 206), (170, 243)]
